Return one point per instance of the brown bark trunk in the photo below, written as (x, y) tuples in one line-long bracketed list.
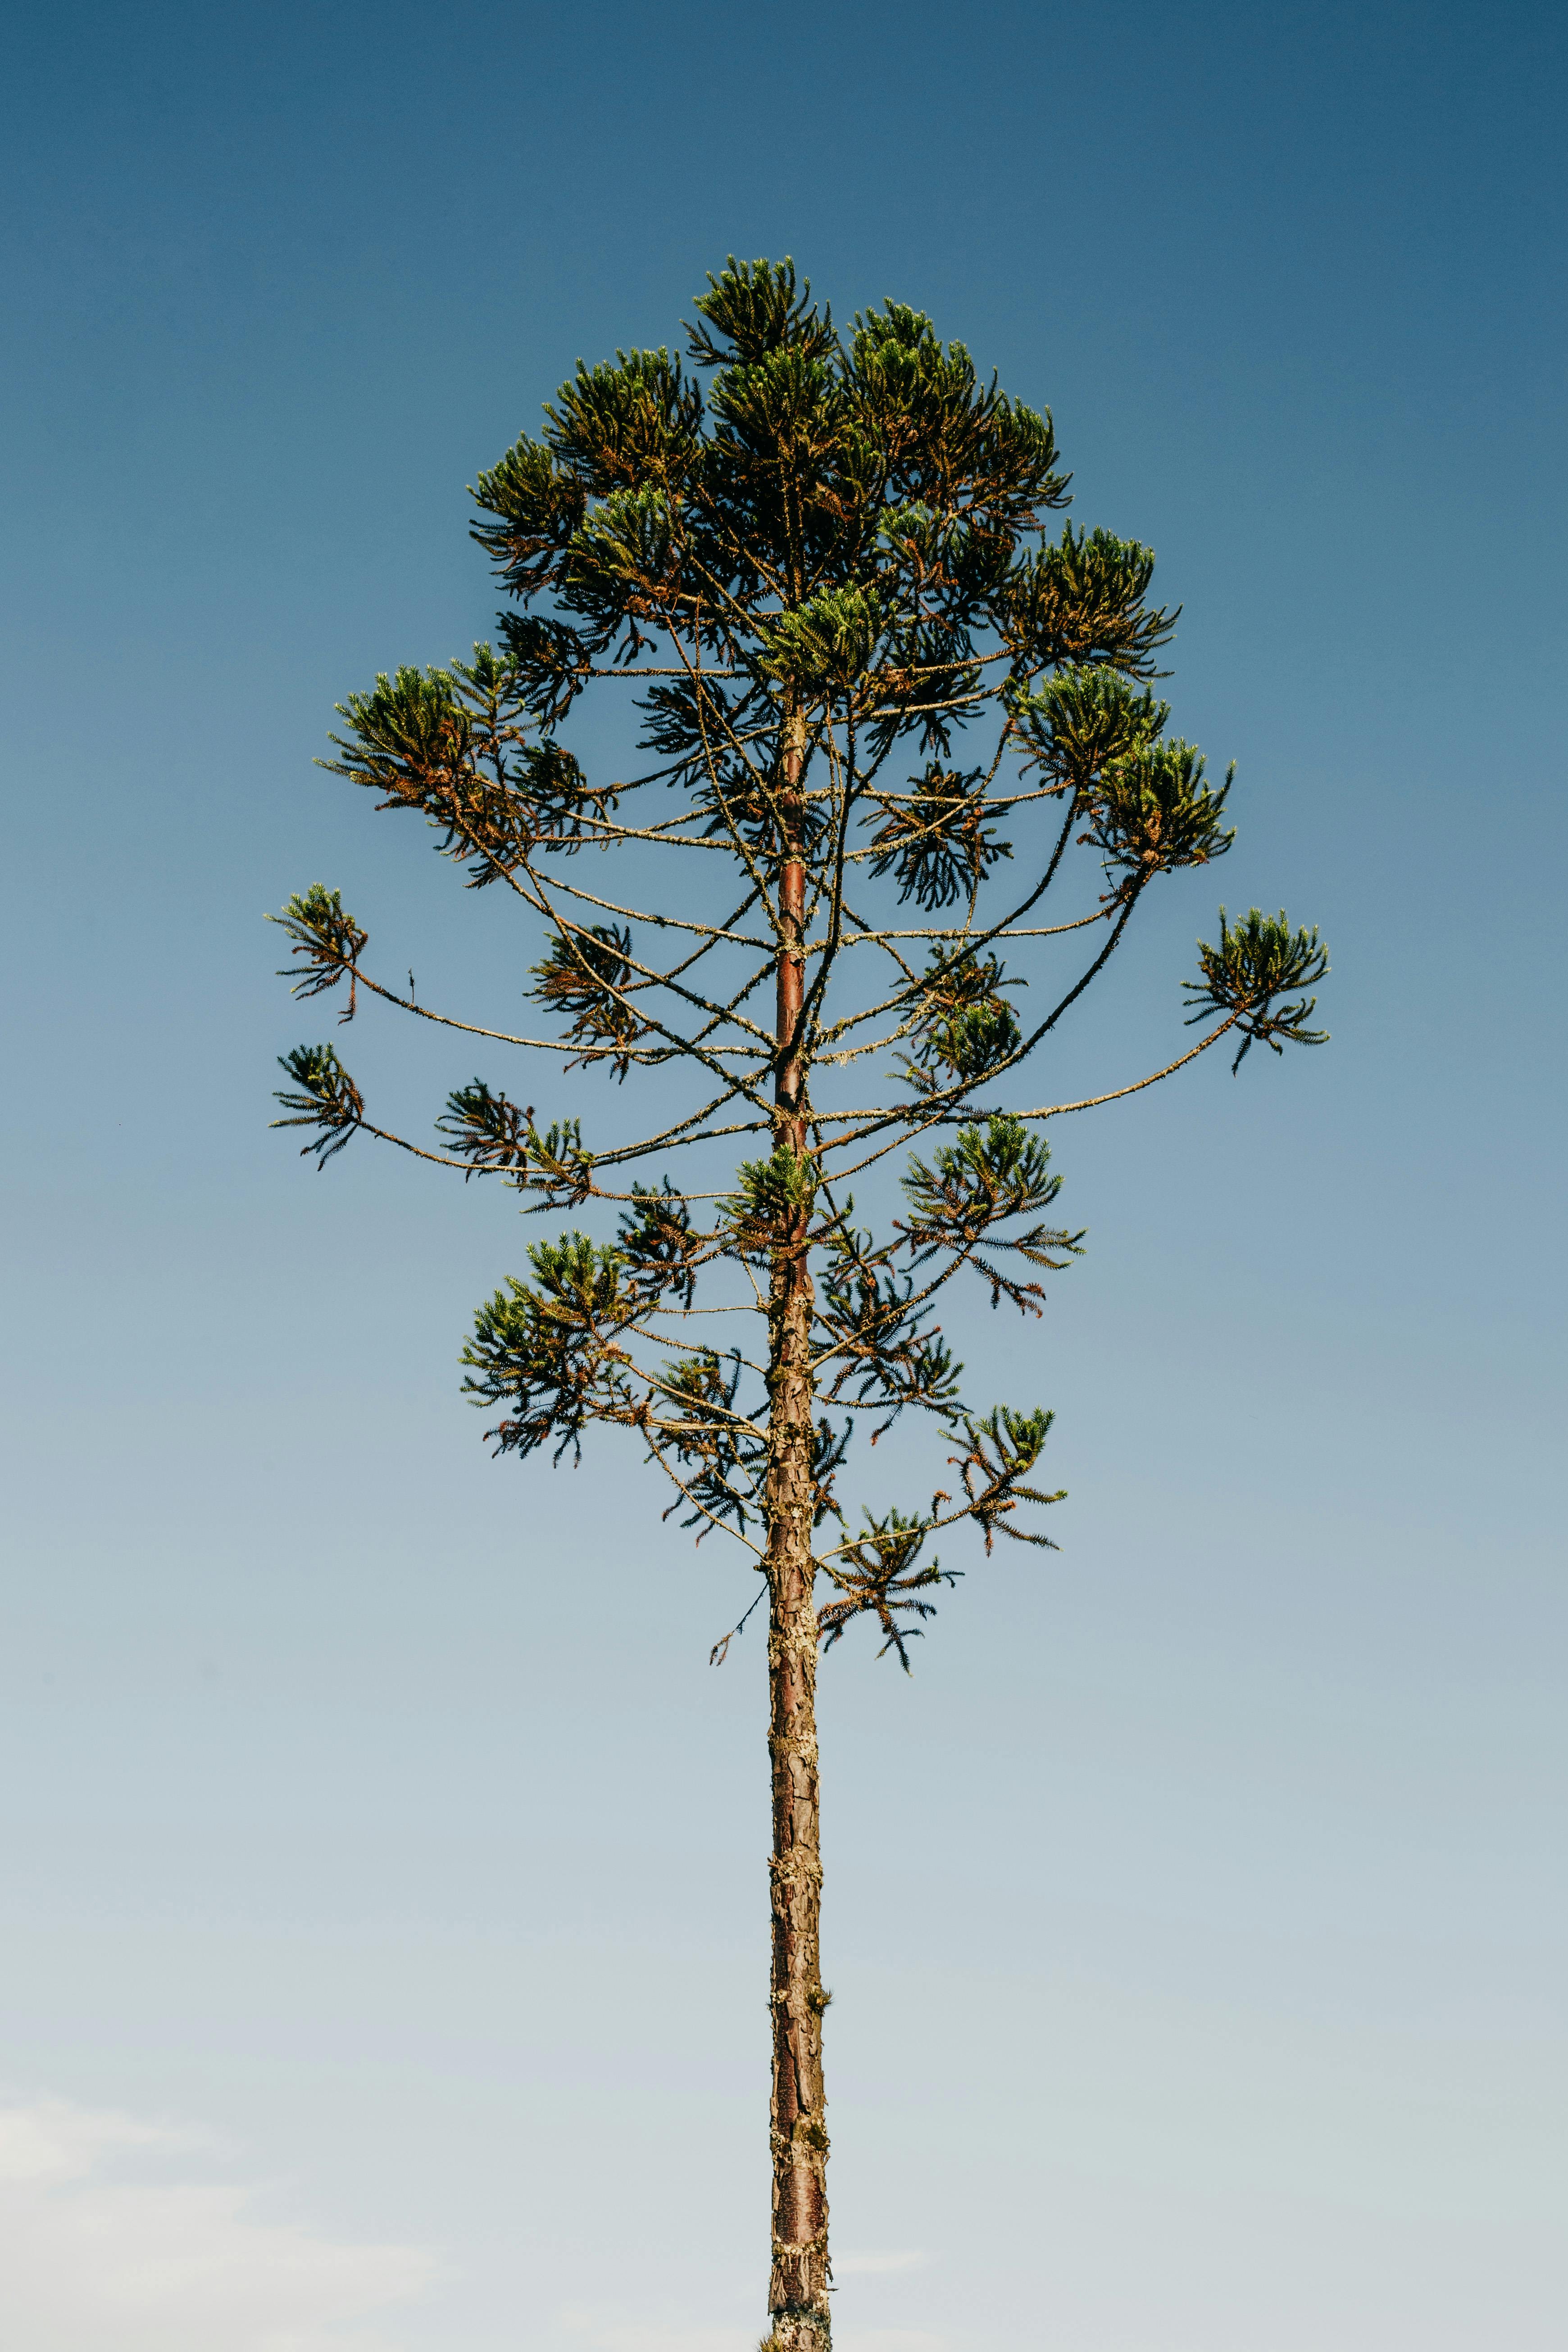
[(797, 2296)]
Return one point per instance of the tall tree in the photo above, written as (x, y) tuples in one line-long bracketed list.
[(887, 712)]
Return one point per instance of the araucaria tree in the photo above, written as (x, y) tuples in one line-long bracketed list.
[(892, 719)]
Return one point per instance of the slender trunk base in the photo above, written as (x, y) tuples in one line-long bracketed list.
[(798, 2293)]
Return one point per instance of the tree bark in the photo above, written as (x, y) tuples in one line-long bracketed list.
[(798, 2292)]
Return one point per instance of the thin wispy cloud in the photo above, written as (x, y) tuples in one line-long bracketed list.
[(169, 2259)]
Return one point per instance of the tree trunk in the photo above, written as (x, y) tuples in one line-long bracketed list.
[(798, 2292)]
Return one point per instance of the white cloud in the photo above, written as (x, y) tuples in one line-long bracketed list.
[(93, 2262), (52, 2141)]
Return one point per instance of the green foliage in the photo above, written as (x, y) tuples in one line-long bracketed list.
[(1083, 720), (886, 1353), (549, 1351), (410, 727), (935, 841), (1261, 959), (491, 1135), (627, 426), (1155, 811), (586, 974), (878, 1573), (452, 743), (880, 1576), (1001, 1451), (721, 1451), (1150, 805), (984, 1178), (787, 406), (758, 308), (774, 1197), (973, 1043), (829, 641), (967, 1029), (659, 1250), (538, 506), (330, 940), (704, 735), (944, 439), (1081, 601), (324, 1096), (551, 660), (622, 565)]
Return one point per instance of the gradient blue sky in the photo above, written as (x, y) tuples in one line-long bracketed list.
[(384, 1899)]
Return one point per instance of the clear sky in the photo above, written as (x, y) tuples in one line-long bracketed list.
[(383, 1897)]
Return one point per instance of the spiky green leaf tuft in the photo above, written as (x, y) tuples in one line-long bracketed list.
[(1260, 961), (324, 1096)]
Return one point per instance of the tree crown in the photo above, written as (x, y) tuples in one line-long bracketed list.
[(887, 707)]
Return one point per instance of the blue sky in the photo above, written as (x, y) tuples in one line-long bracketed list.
[(384, 1899)]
